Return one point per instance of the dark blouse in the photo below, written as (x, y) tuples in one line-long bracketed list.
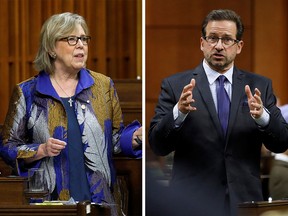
[(79, 187)]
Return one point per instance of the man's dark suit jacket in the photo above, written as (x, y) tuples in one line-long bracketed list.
[(211, 174)]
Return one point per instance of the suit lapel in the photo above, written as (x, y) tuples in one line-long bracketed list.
[(238, 91), (202, 85)]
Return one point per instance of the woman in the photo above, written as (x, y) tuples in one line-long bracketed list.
[(67, 119)]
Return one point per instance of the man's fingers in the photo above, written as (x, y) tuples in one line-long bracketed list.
[(257, 92), (187, 97), (257, 96), (248, 92), (193, 82), (187, 88)]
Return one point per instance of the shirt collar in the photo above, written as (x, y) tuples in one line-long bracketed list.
[(44, 85), (212, 75)]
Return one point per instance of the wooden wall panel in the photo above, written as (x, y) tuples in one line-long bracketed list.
[(190, 13), (4, 57), (270, 41), (114, 49), (121, 42), (169, 50), (98, 49)]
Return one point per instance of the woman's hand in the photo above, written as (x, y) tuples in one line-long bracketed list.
[(53, 147), (137, 138)]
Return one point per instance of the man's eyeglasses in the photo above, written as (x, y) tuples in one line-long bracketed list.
[(73, 40), (226, 41)]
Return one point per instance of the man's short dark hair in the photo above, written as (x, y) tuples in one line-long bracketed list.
[(224, 14)]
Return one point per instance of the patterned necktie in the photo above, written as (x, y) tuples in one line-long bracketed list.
[(223, 102)]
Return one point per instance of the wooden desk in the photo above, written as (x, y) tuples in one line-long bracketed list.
[(131, 171), (29, 210), (12, 191), (264, 208), (5, 170), (81, 209)]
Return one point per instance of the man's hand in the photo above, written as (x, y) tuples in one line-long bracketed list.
[(254, 102), (186, 98)]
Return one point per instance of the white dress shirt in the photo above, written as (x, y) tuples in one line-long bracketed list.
[(212, 76)]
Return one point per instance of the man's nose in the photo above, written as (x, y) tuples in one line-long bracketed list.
[(219, 44)]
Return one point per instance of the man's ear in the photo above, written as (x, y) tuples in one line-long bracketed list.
[(201, 43), (240, 45)]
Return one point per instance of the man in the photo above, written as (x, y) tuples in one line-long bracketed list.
[(217, 144)]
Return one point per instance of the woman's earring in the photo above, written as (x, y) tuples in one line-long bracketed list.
[(53, 55)]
